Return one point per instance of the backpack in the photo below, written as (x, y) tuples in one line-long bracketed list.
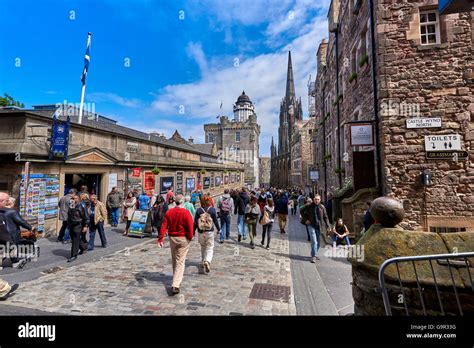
[(225, 205), (205, 221), (265, 217)]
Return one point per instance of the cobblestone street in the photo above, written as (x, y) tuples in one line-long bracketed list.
[(136, 280)]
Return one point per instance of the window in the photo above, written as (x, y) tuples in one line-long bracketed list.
[(429, 27), (237, 136), (210, 138)]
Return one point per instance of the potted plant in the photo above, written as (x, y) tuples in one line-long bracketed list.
[(203, 171), (156, 171)]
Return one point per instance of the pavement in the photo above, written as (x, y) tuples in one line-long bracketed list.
[(132, 276)]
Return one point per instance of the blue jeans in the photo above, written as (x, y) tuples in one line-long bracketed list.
[(225, 222), (92, 229), (241, 226), (115, 215), (346, 238), (314, 234)]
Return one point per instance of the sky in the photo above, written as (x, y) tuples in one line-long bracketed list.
[(161, 65)]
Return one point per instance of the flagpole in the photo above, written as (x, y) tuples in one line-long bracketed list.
[(83, 84)]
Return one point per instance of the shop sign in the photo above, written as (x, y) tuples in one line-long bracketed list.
[(59, 139), (136, 172)]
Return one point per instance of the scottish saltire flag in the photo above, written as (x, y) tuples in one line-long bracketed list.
[(87, 59)]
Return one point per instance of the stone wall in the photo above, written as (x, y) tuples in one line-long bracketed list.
[(265, 164), (380, 244)]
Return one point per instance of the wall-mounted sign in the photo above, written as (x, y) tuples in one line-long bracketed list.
[(447, 155), (424, 122), (149, 179), (362, 134), (226, 180), (136, 172), (112, 181), (238, 178), (59, 139), (206, 182), (166, 183), (132, 146), (218, 180), (190, 184), (444, 142), (314, 175), (179, 182)]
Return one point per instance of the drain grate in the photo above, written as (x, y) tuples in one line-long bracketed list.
[(270, 292)]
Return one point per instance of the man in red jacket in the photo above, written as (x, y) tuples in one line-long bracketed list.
[(180, 227)]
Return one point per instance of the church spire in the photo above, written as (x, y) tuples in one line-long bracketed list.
[(290, 83)]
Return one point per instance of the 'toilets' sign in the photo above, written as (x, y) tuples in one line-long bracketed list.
[(443, 142)]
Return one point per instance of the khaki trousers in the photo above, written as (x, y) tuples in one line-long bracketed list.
[(206, 239), (4, 288), (282, 221), (179, 249)]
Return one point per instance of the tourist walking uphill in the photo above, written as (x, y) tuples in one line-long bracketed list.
[(267, 220), (179, 225), (204, 220), (97, 215), (252, 212), (281, 208), (158, 213), (316, 218), (225, 207), (242, 200)]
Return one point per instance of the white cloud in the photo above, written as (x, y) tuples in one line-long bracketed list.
[(114, 98)]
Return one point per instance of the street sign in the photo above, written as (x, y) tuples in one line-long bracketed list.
[(447, 155), (424, 122), (444, 142), (314, 175)]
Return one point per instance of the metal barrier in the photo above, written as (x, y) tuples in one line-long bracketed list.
[(442, 259)]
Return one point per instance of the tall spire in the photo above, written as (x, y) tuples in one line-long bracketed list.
[(290, 83)]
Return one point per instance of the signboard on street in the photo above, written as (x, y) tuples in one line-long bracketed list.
[(424, 122), (447, 155), (140, 223), (362, 134), (443, 142)]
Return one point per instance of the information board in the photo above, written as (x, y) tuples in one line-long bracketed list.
[(179, 183), (138, 225)]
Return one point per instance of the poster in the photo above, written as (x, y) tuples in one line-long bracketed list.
[(136, 172), (238, 177), (226, 180), (166, 183), (41, 204), (179, 183), (218, 180), (199, 183), (232, 178), (149, 182), (112, 181), (140, 220), (207, 182), (190, 184)]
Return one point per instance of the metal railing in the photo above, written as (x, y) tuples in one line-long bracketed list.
[(450, 260)]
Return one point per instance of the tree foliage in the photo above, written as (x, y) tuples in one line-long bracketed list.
[(7, 100)]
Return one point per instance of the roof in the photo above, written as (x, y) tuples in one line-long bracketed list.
[(113, 128), (243, 98), (206, 148)]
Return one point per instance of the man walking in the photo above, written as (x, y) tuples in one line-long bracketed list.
[(97, 215), (179, 225), (78, 222), (281, 208), (114, 201), (64, 204), (242, 200), (315, 214), (225, 206), (144, 201)]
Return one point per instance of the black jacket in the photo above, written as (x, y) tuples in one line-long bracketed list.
[(281, 205), (308, 213), (77, 216), (14, 221), (243, 200)]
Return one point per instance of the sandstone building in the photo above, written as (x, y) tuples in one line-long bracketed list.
[(238, 139), (264, 168), (372, 137)]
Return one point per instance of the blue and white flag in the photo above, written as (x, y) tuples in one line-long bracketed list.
[(87, 59)]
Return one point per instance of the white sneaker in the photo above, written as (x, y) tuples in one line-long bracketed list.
[(207, 267)]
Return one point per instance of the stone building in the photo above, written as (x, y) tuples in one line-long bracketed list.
[(302, 157), (291, 111), (238, 139), (374, 141), (264, 171), (102, 154)]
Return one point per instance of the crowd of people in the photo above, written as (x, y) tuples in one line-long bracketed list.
[(181, 218)]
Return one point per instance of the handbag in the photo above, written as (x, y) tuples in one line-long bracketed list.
[(265, 219)]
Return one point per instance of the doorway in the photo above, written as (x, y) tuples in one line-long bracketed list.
[(92, 181), (364, 170)]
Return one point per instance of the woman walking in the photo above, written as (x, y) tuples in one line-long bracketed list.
[(204, 219), (269, 209), (252, 212), (158, 213), (130, 205)]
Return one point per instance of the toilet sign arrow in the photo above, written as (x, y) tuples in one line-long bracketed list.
[(442, 142)]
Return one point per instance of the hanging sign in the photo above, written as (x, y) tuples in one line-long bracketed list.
[(59, 139), (136, 172)]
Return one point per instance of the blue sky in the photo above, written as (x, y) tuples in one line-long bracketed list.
[(218, 49)]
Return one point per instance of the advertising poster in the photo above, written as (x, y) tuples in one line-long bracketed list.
[(179, 183), (59, 139), (232, 178), (218, 180), (112, 181), (199, 182), (190, 184), (149, 179), (138, 225), (207, 182), (226, 180), (166, 183)]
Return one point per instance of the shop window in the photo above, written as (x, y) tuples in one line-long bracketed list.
[(429, 27)]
